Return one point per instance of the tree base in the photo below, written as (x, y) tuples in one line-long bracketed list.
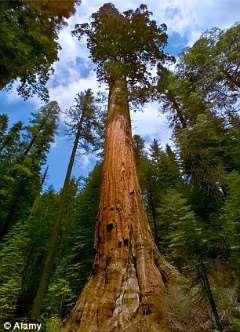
[(112, 301)]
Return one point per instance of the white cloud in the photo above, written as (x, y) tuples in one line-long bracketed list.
[(84, 163), (189, 18), (13, 98), (64, 95), (151, 124)]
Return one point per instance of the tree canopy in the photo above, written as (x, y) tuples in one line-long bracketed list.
[(29, 46), (127, 44)]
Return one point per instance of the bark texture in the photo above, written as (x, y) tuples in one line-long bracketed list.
[(126, 291)]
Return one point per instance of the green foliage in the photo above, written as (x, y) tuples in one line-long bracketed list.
[(54, 324), (199, 222), (85, 120), (231, 206), (13, 258), (201, 150), (24, 151), (124, 45), (28, 38), (59, 291), (212, 66), (179, 224), (181, 102), (138, 145), (233, 142), (75, 261), (237, 325), (41, 131), (158, 172), (10, 147), (36, 227), (230, 217), (165, 167)]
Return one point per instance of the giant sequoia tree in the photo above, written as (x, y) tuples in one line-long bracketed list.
[(126, 291)]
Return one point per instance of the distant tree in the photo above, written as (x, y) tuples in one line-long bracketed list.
[(38, 225), (181, 103), (28, 38), (232, 150), (202, 150), (212, 66), (15, 250), (203, 139), (3, 124), (40, 131), (76, 256), (83, 121), (10, 147), (163, 175), (23, 170), (8, 138), (187, 242), (138, 145), (229, 233), (158, 172)]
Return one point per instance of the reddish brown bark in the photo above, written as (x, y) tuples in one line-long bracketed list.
[(126, 291)]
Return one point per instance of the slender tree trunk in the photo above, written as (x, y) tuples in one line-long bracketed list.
[(177, 108), (31, 143), (154, 217), (126, 291), (55, 234), (207, 287)]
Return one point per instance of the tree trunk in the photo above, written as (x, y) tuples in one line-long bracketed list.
[(126, 291), (207, 287), (55, 234), (177, 108), (154, 217)]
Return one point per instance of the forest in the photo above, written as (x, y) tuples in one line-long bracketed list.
[(149, 241)]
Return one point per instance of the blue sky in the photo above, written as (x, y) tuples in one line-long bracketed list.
[(74, 72)]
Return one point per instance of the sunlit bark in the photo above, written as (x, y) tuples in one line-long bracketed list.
[(126, 291)]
